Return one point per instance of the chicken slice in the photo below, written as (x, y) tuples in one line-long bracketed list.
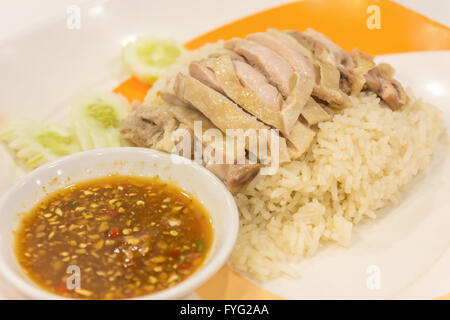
[(373, 81), (147, 125), (255, 80), (313, 113), (380, 81), (284, 119), (172, 99), (150, 127), (327, 50), (234, 176), (326, 63), (215, 106), (301, 88), (221, 111), (227, 79), (301, 138), (393, 94), (274, 67), (287, 51), (203, 73), (223, 51), (247, 75), (188, 116), (352, 77)]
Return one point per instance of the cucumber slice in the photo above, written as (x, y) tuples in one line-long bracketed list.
[(36, 143), (96, 119), (149, 56)]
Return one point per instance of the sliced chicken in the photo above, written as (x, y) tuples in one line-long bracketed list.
[(327, 50), (215, 106), (247, 75), (286, 36), (200, 71), (276, 69), (326, 64), (286, 50), (198, 124), (223, 51), (373, 80), (353, 69), (352, 77), (273, 66), (227, 79), (363, 62), (283, 118), (147, 125), (328, 85), (172, 99), (188, 115), (393, 94), (139, 131), (220, 110), (255, 80), (301, 137), (380, 81), (219, 73), (234, 176), (313, 113), (301, 88)]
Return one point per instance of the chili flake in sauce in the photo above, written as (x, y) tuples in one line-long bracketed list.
[(129, 236)]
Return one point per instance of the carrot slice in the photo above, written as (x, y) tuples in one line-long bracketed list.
[(133, 89)]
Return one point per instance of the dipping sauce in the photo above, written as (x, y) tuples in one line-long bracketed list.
[(116, 237)]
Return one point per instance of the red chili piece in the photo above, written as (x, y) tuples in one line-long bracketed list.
[(174, 254), (113, 233), (185, 266)]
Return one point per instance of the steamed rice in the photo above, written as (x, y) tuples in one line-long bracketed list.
[(358, 164)]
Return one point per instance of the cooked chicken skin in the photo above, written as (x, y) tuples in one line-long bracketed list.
[(255, 80), (216, 107), (356, 69), (200, 71), (148, 125), (380, 81), (220, 110), (234, 176), (272, 65), (283, 116), (295, 58), (247, 75)]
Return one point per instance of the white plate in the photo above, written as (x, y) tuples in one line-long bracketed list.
[(44, 69)]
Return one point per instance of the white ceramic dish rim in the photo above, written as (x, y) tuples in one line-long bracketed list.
[(210, 267), (334, 272)]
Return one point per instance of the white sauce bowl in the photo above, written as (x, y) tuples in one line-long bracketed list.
[(191, 177)]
